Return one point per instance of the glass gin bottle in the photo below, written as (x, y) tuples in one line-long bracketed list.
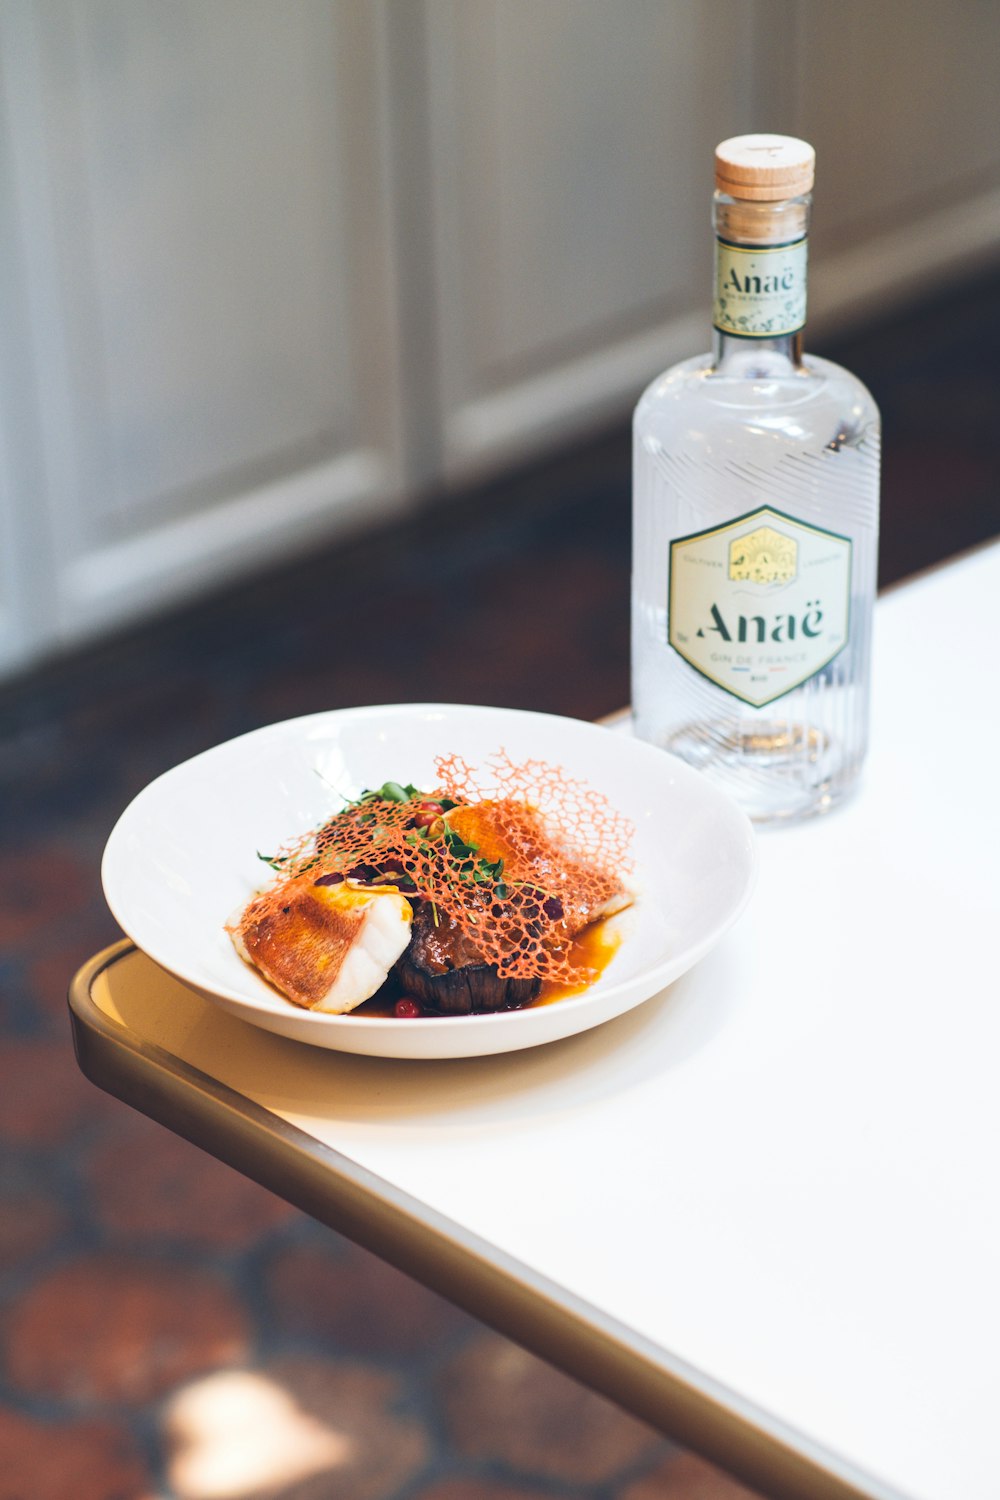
[(756, 483)]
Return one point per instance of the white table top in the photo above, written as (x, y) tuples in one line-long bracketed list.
[(780, 1174)]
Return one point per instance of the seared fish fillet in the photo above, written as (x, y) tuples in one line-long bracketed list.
[(327, 947)]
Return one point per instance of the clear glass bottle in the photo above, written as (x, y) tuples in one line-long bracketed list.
[(756, 484)]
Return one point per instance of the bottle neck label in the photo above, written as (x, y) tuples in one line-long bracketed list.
[(761, 604), (760, 290)]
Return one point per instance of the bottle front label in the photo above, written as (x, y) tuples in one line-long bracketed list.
[(760, 291), (761, 604)]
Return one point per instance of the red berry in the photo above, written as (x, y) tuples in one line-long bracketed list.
[(406, 1008), (426, 812)]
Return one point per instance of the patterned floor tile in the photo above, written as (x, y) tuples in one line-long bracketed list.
[(147, 1186), (685, 1477), (75, 1460), (106, 1328), (364, 1305), (503, 1405)]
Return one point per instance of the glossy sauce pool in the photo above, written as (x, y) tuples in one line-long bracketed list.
[(593, 948)]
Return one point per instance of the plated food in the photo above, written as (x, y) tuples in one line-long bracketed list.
[(481, 895), (182, 860)]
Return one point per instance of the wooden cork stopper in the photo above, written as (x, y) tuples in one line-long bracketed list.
[(764, 168)]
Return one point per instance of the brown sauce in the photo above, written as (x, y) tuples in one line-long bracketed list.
[(593, 948)]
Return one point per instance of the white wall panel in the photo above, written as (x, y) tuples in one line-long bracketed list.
[(214, 211), (902, 104), (25, 555), (15, 548), (570, 147), (204, 190), (907, 118)]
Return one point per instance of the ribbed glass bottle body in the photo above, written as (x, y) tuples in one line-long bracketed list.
[(756, 487)]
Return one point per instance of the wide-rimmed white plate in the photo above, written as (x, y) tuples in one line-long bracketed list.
[(182, 858)]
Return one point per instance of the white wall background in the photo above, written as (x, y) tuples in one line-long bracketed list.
[(269, 271)]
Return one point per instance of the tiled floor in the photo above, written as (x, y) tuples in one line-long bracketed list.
[(169, 1331)]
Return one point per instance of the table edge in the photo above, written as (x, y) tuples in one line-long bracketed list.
[(495, 1288)]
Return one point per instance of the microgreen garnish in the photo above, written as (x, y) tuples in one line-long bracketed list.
[(335, 790), (456, 844), (279, 861), (389, 791), (467, 867), (274, 860)]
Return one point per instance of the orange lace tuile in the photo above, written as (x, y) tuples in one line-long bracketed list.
[(564, 852)]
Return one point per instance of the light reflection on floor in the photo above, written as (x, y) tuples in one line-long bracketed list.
[(238, 1433)]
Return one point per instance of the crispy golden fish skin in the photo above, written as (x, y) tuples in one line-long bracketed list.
[(327, 948)]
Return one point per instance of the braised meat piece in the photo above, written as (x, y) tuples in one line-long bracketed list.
[(443, 968)]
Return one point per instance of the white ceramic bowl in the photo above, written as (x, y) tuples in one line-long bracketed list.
[(182, 858)]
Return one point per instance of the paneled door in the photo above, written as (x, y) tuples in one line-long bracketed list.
[(571, 180), (200, 371)]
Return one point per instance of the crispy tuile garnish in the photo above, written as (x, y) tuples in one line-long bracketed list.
[(521, 857)]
